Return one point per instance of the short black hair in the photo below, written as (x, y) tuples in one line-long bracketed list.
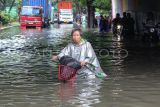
[(77, 29)]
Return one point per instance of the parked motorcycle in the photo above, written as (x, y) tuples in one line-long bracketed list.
[(150, 34), (46, 23)]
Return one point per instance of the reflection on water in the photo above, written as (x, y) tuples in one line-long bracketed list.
[(82, 94), (28, 77)]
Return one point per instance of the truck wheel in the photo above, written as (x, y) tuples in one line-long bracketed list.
[(23, 27)]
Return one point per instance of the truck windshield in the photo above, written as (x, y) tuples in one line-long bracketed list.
[(30, 11)]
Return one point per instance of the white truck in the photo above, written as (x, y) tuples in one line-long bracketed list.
[(66, 16), (65, 12)]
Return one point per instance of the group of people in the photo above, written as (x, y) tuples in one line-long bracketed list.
[(126, 21), (103, 23)]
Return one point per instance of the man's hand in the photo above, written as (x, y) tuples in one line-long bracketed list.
[(54, 58), (83, 63)]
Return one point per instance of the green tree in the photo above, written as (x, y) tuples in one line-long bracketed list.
[(18, 3), (12, 4), (79, 5), (3, 4), (6, 3), (103, 6)]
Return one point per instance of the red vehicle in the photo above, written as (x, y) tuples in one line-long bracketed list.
[(65, 12), (31, 16), (35, 13)]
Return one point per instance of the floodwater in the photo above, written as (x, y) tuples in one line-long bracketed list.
[(28, 77)]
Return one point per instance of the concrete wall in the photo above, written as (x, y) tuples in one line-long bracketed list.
[(148, 5), (118, 6)]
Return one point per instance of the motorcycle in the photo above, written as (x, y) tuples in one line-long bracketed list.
[(117, 31), (150, 34), (46, 23)]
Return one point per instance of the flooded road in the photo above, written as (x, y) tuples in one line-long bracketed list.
[(28, 77)]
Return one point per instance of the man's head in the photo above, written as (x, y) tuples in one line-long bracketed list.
[(124, 14), (129, 15), (117, 15)]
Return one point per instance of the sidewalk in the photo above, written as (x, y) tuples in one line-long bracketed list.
[(2, 27)]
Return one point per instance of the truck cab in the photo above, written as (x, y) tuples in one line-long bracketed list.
[(31, 16), (66, 16), (35, 13)]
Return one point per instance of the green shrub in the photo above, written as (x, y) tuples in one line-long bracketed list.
[(5, 18)]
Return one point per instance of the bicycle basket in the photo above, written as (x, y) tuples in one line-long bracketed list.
[(66, 72)]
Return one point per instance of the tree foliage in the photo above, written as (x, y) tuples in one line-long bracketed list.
[(6, 3), (102, 4)]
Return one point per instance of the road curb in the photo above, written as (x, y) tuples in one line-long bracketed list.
[(8, 27)]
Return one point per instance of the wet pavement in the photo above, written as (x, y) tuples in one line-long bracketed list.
[(28, 77)]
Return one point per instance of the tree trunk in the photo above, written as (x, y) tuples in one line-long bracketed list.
[(11, 6), (78, 10), (91, 11), (93, 16)]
